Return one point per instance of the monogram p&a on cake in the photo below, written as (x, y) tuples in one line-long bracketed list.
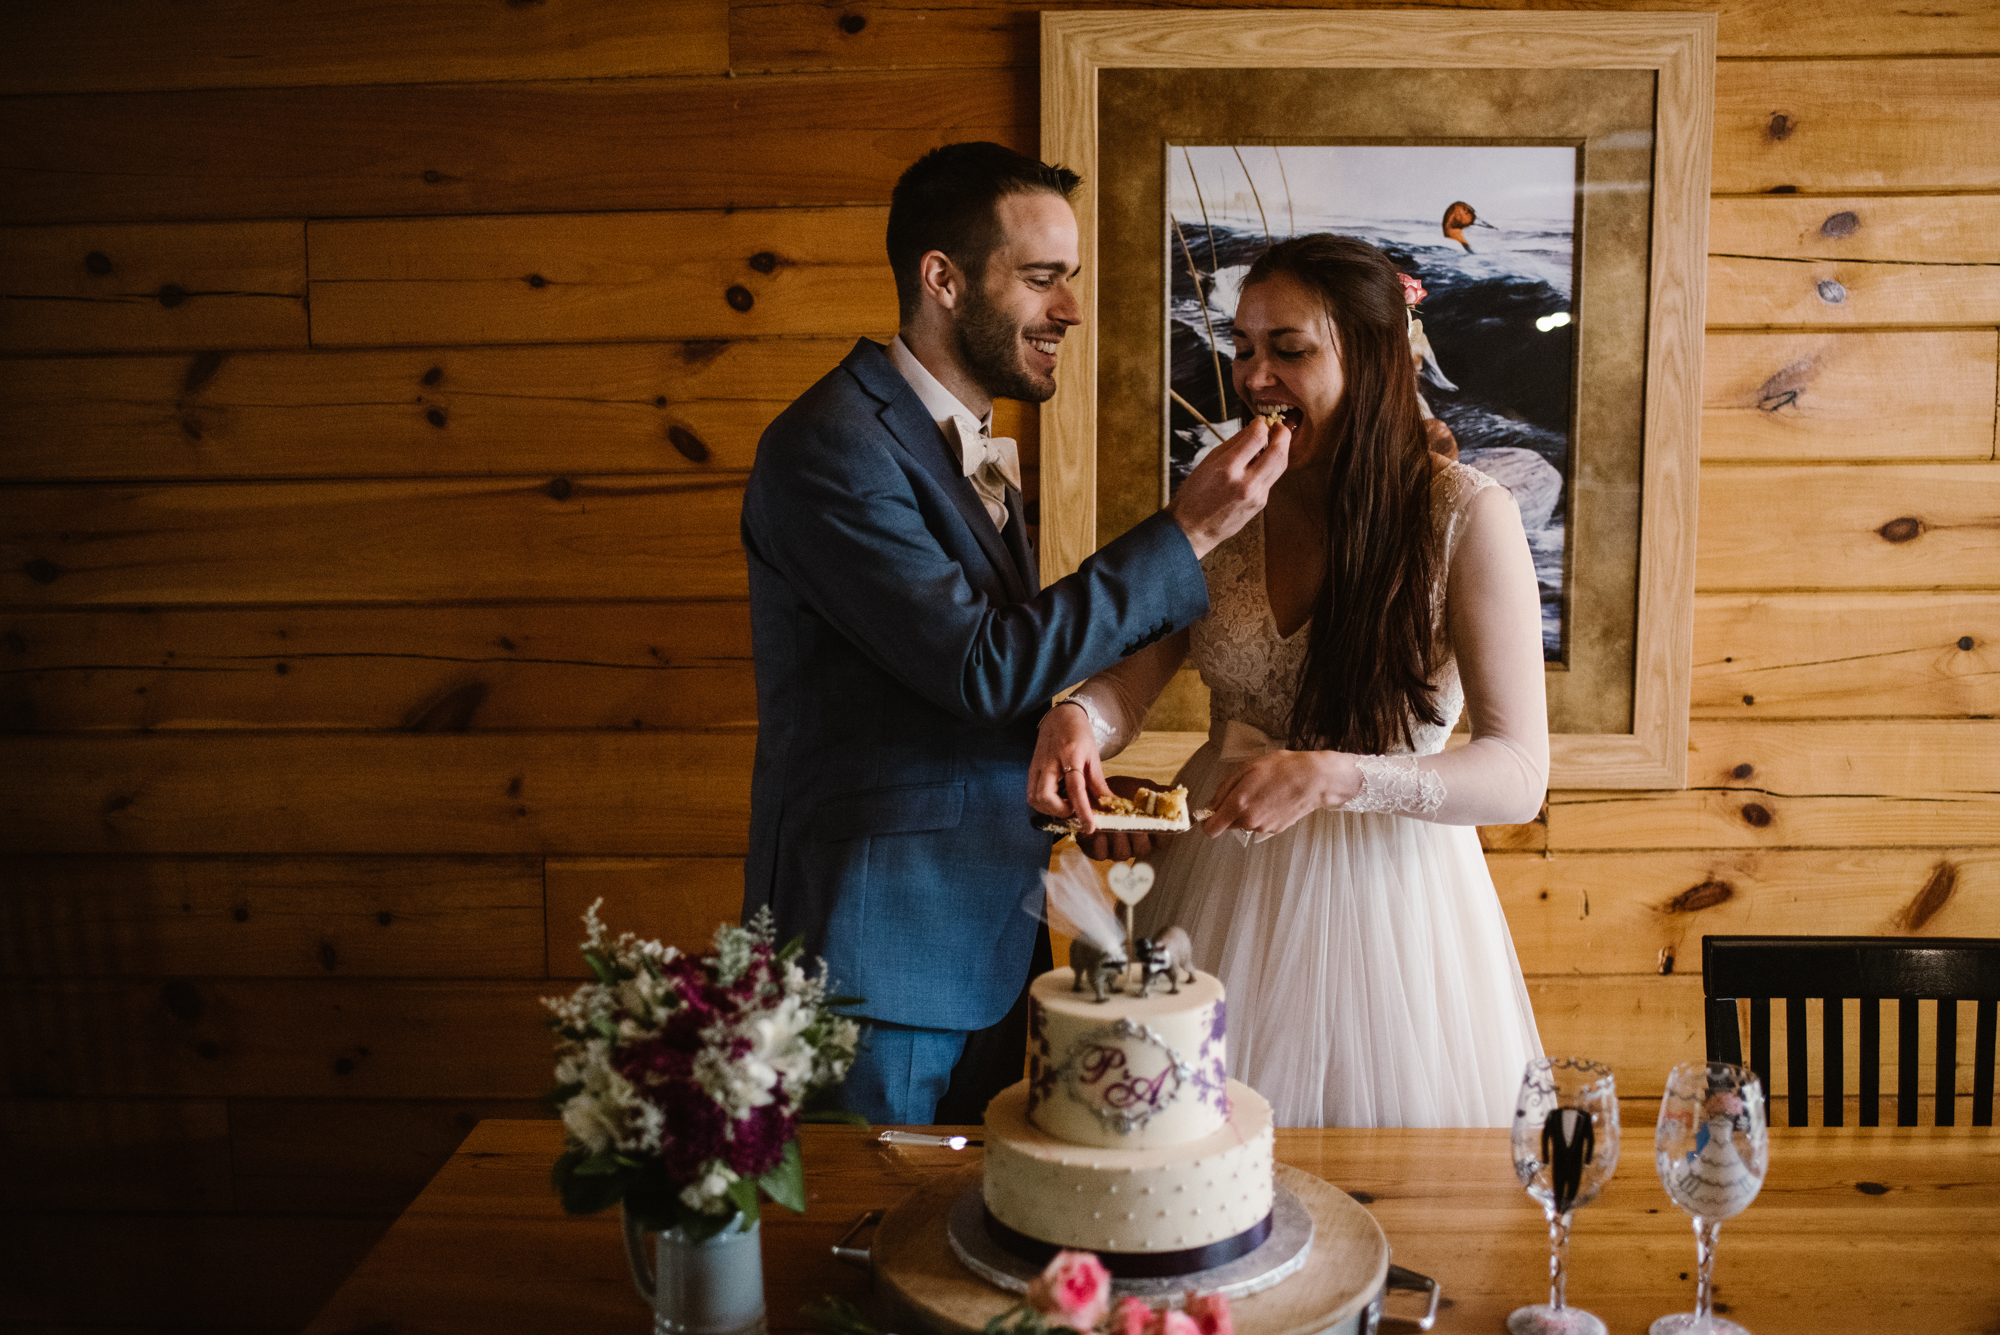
[(1128, 1139)]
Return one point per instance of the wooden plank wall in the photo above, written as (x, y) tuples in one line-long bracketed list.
[(379, 384)]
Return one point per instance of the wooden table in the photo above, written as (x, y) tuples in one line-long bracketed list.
[(1875, 1230)]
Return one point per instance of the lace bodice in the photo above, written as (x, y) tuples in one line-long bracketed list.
[(1252, 671)]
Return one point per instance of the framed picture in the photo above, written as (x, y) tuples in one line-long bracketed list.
[(1541, 177)]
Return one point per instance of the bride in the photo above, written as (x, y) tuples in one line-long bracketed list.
[(1338, 890)]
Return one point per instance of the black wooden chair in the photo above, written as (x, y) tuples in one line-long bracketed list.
[(1871, 968)]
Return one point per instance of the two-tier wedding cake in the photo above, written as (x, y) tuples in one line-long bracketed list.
[(1128, 1139)]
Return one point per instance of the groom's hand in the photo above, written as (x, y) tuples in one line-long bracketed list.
[(1231, 485)]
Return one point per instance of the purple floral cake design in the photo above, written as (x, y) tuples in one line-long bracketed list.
[(1211, 1080), (1042, 1072)]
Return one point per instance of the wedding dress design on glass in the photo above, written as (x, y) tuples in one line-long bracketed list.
[(1371, 976)]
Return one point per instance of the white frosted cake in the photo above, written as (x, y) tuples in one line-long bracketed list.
[(1128, 1139)]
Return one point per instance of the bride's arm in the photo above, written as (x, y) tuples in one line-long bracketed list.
[(1098, 719), (1119, 698), (1493, 611)]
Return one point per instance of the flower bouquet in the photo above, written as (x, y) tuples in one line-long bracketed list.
[(1072, 1296), (682, 1081)]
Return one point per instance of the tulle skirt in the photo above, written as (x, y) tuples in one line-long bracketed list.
[(1371, 977)]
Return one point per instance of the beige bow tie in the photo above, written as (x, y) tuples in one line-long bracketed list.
[(977, 450)]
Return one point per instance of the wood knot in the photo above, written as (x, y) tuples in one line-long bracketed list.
[(1749, 699), (505, 643), (329, 958), (688, 443), (385, 917), (1757, 814), (739, 298), (535, 280), (1965, 642), (1845, 223), (191, 427), (1906, 529), (1785, 386), (1781, 127), (1704, 896), (764, 262), (514, 786), (702, 351), (450, 712), (1666, 959), (282, 669), (343, 1066), (432, 177), (1364, 1197), (1932, 897), (852, 23), (1744, 771), (208, 1050), (97, 262), (659, 400), (432, 376), (435, 417), (1831, 292), (200, 371), (42, 570), (239, 914), (1782, 190), (559, 489), (171, 295), (1871, 1188), (182, 1000)]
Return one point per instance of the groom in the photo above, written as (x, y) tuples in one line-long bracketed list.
[(906, 649)]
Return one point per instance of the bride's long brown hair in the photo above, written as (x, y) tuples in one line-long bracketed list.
[(1371, 654)]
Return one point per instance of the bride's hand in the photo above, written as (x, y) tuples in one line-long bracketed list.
[(1066, 776), (1274, 792)]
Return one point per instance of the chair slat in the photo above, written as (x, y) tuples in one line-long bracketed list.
[(1982, 1062), (1870, 1058), (1760, 1040), (1946, 1070), (1832, 1051), (1906, 1061), (1798, 1086), (1725, 1034)]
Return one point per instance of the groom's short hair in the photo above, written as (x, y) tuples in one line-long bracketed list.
[(946, 201)]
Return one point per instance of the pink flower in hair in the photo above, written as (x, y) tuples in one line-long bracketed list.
[(1211, 1314), (1413, 291), (1074, 1288)]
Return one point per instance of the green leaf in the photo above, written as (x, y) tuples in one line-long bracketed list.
[(837, 1316), (562, 1094), (586, 1193), (598, 1165), (840, 1116), (843, 1001), (601, 967), (786, 1184), (743, 1192), (791, 950)]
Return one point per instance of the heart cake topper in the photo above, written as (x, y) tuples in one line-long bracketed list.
[(1130, 881)]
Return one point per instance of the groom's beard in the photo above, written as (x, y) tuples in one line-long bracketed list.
[(991, 346)]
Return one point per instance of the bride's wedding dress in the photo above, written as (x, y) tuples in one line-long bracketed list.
[(1371, 977)]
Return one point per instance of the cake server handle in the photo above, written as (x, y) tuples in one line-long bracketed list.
[(1399, 1278), (918, 1138), (861, 1256)]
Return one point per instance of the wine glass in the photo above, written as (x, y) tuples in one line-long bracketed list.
[(1565, 1148), (1712, 1148)]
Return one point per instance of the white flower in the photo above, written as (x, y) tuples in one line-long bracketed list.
[(710, 1192)]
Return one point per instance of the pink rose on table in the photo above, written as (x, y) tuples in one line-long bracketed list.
[(1129, 1317), (1167, 1321), (1075, 1289), (1211, 1314), (1413, 291)]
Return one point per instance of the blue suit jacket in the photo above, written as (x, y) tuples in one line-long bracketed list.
[(905, 653)]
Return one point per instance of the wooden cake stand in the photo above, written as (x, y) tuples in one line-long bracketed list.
[(1348, 1265)]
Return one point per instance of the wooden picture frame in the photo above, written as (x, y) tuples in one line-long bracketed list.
[(1678, 49)]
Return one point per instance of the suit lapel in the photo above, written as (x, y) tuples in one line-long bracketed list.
[(1016, 534), (904, 416)]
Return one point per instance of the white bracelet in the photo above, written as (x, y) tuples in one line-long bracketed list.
[(1100, 731)]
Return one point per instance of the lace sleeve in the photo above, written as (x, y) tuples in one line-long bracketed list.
[(1493, 611), (1119, 698)]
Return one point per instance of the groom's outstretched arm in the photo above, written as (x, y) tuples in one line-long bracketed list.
[(842, 524)]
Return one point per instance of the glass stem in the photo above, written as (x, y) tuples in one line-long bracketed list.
[(1558, 1257), (1705, 1232)]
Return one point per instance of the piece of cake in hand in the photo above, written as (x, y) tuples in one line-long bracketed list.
[(1146, 809)]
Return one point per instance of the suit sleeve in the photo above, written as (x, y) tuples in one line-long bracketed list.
[(841, 522)]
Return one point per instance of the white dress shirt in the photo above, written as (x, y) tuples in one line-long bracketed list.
[(991, 463)]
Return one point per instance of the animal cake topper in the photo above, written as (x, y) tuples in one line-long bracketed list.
[(1099, 951)]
